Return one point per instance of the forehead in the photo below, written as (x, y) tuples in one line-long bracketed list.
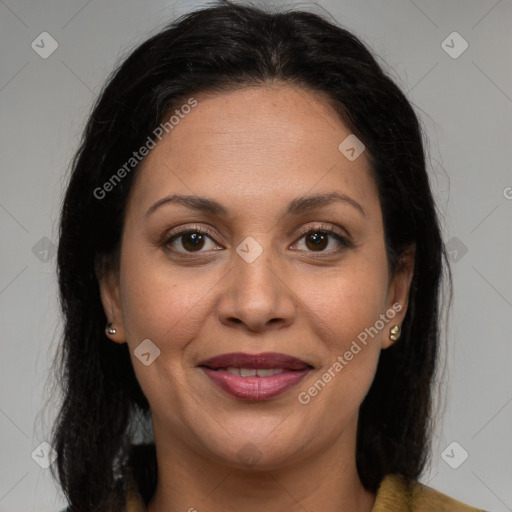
[(257, 143)]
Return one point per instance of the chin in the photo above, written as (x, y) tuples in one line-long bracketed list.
[(263, 454)]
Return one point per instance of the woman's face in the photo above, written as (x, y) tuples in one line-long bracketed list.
[(255, 270)]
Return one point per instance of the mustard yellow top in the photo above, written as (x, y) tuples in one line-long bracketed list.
[(395, 494)]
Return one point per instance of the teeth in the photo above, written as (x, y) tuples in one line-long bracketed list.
[(268, 372), (253, 372), (248, 372)]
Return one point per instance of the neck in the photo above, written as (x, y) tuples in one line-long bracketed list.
[(325, 481)]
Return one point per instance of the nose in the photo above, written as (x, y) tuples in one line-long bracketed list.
[(256, 296)]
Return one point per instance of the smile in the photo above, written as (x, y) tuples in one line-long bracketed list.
[(255, 376)]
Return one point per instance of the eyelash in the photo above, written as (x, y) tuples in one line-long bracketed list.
[(343, 241)]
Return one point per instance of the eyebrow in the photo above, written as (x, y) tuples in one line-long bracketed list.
[(296, 207)]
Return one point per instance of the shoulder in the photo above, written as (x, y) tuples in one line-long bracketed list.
[(399, 495)]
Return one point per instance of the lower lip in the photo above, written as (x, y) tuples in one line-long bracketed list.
[(255, 388)]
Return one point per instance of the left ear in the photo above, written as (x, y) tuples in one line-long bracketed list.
[(398, 292)]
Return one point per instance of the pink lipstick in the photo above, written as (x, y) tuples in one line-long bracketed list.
[(255, 376)]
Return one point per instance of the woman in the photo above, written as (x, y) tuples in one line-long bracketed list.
[(250, 261)]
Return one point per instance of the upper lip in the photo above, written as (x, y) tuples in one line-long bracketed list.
[(263, 360)]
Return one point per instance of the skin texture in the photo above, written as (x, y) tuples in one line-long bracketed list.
[(254, 150)]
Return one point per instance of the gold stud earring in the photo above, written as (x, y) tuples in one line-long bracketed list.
[(394, 333), (110, 330)]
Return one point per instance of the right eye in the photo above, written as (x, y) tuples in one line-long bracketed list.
[(189, 240)]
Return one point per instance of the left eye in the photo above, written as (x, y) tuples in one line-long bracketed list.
[(317, 239)]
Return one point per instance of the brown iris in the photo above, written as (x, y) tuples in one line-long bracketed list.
[(319, 240), (193, 241)]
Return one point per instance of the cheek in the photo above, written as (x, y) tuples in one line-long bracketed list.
[(352, 298), (166, 306), (347, 317), (159, 301), (347, 313)]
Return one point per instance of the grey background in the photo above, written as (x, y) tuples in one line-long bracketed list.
[(465, 104)]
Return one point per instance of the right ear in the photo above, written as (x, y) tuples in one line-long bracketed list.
[(108, 280)]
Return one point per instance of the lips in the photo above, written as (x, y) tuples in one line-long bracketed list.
[(266, 360), (255, 376)]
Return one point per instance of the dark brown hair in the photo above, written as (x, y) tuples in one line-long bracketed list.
[(216, 49)]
